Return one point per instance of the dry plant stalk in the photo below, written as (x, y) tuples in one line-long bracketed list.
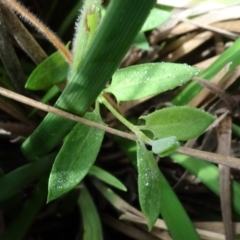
[(35, 22)]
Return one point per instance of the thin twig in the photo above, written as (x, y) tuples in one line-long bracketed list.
[(224, 147), (207, 156)]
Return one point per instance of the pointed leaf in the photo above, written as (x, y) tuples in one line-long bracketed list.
[(164, 146), (149, 184), (75, 158), (183, 122), (52, 70), (106, 177), (148, 79)]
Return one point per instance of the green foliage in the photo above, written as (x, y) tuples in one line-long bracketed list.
[(149, 184), (183, 122), (228, 56), (95, 71), (106, 177), (164, 146), (144, 80), (155, 18), (98, 49), (75, 158), (23, 176), (51, 71), (208, 173)]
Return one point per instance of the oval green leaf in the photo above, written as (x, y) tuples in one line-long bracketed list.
[(149, 184), (164, 146), (75, 158), (106, 177), (52, 70), (183, 122), (148, 79)]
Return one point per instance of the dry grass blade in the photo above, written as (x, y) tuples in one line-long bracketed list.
[(189, 46), (224, 147), (9, 57), (22, 36), (212, 29), (207, 19), (128, 230), (30, 18)]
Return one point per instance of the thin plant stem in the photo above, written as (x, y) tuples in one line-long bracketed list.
[(140, 135), (207, 156), (35, 22)]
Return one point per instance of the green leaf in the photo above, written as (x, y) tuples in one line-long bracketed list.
[(52, 70), (164, 146), (91, 222), (183, 122), (106, 177), (141, 41), (149, 184), (75, 158), (172, 211), (148, 79), (155, 18)]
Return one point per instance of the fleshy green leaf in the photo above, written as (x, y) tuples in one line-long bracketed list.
[(148, 79), (91, 222), (106, 177), (52, 70), (164, 146), (183, 122), (149, 184), (75, 158), (155, 18)]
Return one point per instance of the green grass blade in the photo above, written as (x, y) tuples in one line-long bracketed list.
[(112, 40), (91, 222), (174, 214), (231, 55), (20, 225), (208, 173), (24, 175), (106, 177)]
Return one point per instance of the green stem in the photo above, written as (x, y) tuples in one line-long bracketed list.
[(135, 129)]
